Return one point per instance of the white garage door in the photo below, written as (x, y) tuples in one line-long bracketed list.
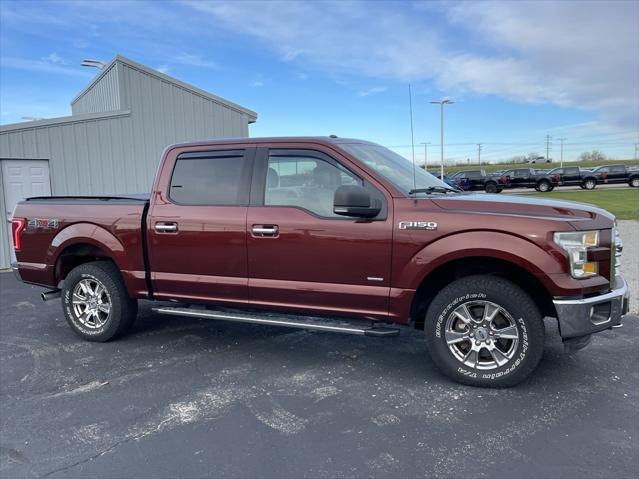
[(21, 179)]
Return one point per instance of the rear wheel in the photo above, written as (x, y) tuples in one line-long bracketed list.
[(484, 331), (634, 182), (95, 302), (491, 187), (589, 184)]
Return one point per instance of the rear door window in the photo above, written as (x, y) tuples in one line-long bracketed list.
[(210, 178)]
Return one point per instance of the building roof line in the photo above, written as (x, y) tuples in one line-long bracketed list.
[(174, 81), (26, 125)]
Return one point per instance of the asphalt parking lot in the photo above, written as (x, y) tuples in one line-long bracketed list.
[(190, 398)]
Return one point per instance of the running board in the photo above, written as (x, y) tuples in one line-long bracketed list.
[(287, 320)]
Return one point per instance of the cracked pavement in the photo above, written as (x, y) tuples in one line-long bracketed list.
[(191, 398)]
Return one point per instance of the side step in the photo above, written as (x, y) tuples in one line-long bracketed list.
[(281, 319)]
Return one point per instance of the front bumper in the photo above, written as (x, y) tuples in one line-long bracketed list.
[(582, 317)]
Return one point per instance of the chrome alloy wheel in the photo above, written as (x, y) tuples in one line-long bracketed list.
[(481, 335), (91, 303)]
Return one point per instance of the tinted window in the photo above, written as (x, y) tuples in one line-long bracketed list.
[(572, 170), (603, 169), (215, 180), (306, 182), (617, 169)]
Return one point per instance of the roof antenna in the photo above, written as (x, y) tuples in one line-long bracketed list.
[(412, 136)]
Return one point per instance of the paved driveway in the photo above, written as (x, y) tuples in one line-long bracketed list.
[(185, 397)]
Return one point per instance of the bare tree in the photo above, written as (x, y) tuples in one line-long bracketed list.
[(594, 155)]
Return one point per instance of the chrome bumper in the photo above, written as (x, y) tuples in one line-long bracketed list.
[(581, 317), (14, 268)]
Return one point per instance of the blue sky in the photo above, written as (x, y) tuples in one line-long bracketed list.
[(517, 71)]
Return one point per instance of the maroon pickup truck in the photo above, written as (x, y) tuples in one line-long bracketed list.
[(330, 234)]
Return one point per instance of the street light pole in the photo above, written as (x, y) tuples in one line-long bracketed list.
[(425, 154), (562, 152), (441, 104)]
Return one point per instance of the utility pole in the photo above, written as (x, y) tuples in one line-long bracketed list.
[(425, 154), (479, 153), (441, 104), (636, 151), (548, 138), (562, 152)]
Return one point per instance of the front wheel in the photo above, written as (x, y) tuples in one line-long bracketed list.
[(544, 186), (589, 184), (95, 302), (484, 331)]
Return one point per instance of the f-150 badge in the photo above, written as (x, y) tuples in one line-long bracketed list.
[(417, 225)]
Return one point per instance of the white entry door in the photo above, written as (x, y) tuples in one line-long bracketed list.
[(22, 179)]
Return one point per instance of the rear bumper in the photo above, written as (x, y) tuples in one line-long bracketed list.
[(584, 316), (14, 268)]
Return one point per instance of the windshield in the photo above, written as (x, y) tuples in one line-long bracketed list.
[(395, 168)]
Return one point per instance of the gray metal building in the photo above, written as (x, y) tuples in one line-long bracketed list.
[(112, 142)]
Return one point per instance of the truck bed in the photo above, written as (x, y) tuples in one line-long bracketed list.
[(112, 224)]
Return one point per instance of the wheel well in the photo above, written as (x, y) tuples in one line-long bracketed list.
[(456, 269), (76, 255)]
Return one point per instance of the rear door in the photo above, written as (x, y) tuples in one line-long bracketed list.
[(197, 225), (303, 256), (617, 174)]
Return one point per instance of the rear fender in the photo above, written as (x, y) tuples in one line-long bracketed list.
[(87, 233)]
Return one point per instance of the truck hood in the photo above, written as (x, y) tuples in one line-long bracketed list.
[(580, 215)]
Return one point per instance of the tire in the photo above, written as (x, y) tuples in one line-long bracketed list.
[(589, 184), (551, 188), (111, 313), (634, 182), (468, 362), (544, 186), (491, 187)]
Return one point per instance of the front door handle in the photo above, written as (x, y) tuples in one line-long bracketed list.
[(265, 230), (166, 227)]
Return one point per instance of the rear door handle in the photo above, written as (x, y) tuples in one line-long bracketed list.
[(265, 230), (166, 227)]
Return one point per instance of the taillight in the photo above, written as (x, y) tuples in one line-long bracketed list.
[(17, 225)]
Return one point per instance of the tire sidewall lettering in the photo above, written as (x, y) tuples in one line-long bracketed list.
[(494, 374)]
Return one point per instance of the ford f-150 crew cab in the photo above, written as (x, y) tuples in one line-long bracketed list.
[(336, 235)]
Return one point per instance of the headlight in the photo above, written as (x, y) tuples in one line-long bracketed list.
[(576, 244)]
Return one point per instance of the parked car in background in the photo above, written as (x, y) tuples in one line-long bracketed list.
[(528, 178), (612, 174), (574, 176), (477, 180)]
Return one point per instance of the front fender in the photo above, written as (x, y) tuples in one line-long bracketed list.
[(490, 244)]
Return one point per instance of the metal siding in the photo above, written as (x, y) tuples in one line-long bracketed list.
[(5, 254), (102, 96)]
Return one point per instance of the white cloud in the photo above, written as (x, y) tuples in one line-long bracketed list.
[(572, 54), (372, 91), (195, 61), (163, 68), (54, 59), (302, 76), (42, 66), (257, 84)]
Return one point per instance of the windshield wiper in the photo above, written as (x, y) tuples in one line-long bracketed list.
[(434, 189)]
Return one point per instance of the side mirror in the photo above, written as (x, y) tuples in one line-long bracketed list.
[(355, 200)]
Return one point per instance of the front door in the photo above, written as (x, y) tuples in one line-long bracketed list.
[(22, 179), (197, 226), (303, 256)]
